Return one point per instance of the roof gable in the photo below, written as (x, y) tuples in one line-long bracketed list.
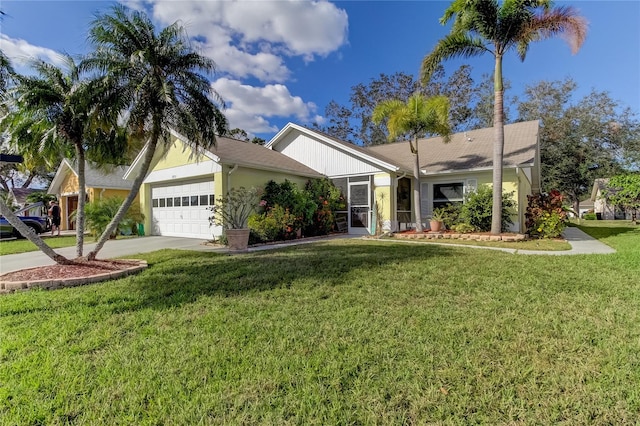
[(335, 151), (232, 152), (94, 177)]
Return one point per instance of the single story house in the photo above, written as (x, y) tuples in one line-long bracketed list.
[(602, 209), (182, 183), (382, 174), (98, 183)]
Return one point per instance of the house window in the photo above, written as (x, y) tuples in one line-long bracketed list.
[(162, 202), (169, 202), (176, 201), (154, 202), (447, 193), (204, 200)]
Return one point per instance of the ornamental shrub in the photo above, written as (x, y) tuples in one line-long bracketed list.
[(98, 215), (546, 216), (477, 209), (589, 216), (276, 224), (327, 199)]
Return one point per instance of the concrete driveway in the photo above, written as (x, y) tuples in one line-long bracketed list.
[(113, 248)]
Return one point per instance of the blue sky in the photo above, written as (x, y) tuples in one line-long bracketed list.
[(281, 61)]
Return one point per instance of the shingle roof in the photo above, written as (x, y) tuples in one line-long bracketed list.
[(468, 150), (96, 178), (233, 151)]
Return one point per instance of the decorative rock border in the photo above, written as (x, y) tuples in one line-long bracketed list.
[(457, 236), (52, 284)]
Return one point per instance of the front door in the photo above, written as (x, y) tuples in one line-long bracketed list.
[(359, 207), (72, 206)]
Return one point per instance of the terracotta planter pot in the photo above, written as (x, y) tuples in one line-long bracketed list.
[(237, 239), (435, 225)]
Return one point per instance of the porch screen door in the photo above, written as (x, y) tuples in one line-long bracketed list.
[(359, 207)]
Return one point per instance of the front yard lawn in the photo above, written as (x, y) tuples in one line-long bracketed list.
[(340, 332), (24, 245)]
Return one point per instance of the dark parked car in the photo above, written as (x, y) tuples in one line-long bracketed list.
[(38, 223)]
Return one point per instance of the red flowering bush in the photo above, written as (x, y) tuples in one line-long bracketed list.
[(546, 215)]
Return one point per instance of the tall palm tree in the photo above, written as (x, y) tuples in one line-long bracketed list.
[(418, 117), (487, 26), (53, 110), (154, 79)]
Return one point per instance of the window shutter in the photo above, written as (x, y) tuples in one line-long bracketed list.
[(470, 186), (424, 200)]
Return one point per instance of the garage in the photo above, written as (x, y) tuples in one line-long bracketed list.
[(182, 209)]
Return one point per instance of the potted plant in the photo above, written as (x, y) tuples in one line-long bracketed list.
[(437, 219), (232, 212)]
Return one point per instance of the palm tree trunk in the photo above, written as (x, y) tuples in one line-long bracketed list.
[(137, 183), (82, 199), (498, 147), (416, 187), (31, 236)]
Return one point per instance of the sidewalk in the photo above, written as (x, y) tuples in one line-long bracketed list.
[(124, 247), (581, 243)]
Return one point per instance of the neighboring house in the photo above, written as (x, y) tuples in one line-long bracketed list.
[(99, 184), (586, 206), (182, 183), (602, 209), (383, 174)]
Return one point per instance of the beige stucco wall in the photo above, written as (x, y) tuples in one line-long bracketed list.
[(248, 178), (176, 156), (511, 182)]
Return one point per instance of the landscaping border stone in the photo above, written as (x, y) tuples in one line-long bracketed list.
[(52, 284)]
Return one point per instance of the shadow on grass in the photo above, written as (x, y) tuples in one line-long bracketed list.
[(177, 277)]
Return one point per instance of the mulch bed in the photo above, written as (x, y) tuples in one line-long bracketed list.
[(81, 269)]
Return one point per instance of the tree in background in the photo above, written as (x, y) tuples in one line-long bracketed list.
[(487, 26), (155, 78), (353, 123), (242, 135), (580, 139), (418, 117)]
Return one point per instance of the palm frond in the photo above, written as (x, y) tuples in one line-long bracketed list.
[(451, 46)]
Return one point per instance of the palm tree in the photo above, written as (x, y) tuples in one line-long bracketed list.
[(486, 26), (418, 117), (55, 111), (6, 71), (153, 79)]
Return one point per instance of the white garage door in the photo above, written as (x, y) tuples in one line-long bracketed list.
[(181, 209)]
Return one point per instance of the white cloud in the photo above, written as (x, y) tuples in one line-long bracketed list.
[(247, 106), (20, 52), (252, 38)]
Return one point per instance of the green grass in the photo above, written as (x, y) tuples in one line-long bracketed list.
[(25, 246), (544, 244), (341, 332)]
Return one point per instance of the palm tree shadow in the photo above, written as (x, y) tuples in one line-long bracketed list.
[(174, 279)]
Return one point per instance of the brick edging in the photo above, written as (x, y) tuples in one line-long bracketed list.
[(456, 236), (52, 284)]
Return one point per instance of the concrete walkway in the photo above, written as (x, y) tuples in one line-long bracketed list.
[(581, 243), (129, 246)]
